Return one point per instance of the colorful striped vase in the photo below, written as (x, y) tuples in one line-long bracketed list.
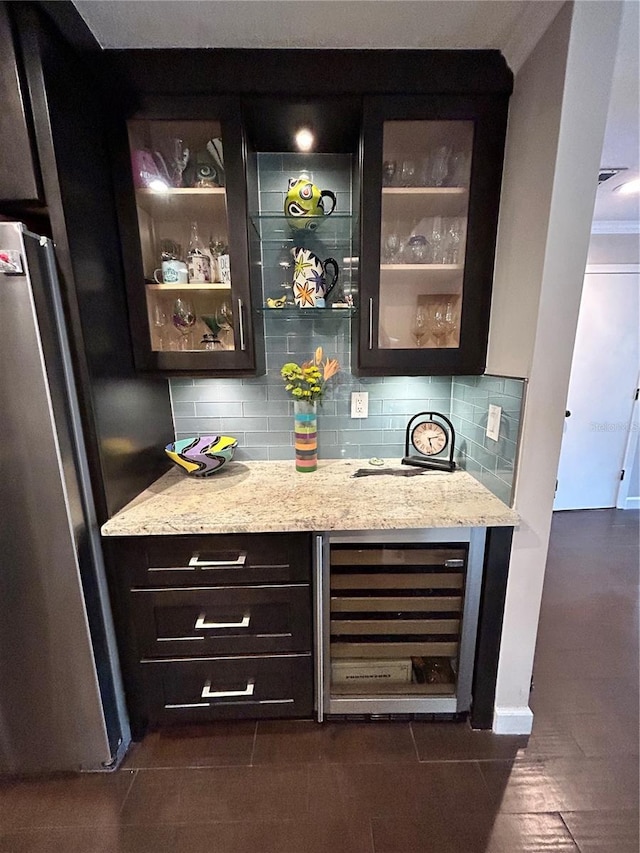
[(306, 436)]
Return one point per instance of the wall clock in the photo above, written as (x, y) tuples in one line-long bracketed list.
[(430, 442)]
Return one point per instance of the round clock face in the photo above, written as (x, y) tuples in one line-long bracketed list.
[(429, 438)]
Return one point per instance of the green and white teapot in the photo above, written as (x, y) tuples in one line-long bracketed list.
[(304, 204)]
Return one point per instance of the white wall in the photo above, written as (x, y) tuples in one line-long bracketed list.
[(614, 249), (555, 133)]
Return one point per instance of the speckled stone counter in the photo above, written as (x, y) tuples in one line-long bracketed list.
[(269, 497)]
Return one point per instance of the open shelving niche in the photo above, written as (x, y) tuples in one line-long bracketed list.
[(332, 238)]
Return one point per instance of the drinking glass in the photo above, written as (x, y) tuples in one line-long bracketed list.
[(458, 169), (420, 326), (184, 320), (159, 320), (389, 169), (224, 318), (452, 242), (440, 165), (434, 238), (391, 248), (178, 159), (443, 322), (408, 173)]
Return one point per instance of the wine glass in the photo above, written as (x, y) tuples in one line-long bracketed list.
[(389, 169), (159, 320), (452, 241), (420, 326), (440, 165), (184, 319), (408, 173), (392, 244), (434, 238), (443, 322), (224, 319)]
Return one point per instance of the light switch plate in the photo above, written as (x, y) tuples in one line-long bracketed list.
[(360, 404), (493, 422)]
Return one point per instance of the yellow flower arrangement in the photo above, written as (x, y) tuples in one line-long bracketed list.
[(307, 381)]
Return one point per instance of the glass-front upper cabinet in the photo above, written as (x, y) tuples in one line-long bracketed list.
[(190, 291), (431, 183)]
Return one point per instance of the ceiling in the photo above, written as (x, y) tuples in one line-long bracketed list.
[(511, 26)]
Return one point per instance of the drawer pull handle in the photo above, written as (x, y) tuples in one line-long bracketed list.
[(208, 693), (203, 625), (454, 564), (196, 563)]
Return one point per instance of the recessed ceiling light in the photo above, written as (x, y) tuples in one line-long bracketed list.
[(629, 187), (305, 140)]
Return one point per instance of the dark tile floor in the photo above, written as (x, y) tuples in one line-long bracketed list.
[(296, 787)]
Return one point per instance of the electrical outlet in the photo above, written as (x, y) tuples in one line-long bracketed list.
[(360, 404), (493, 422)]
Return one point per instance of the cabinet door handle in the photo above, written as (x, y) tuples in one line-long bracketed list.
[(370, 322), (196, 563), (243, 343), (202, 624), (208, 693)]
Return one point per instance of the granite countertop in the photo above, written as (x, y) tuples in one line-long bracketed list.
[(268, 497)]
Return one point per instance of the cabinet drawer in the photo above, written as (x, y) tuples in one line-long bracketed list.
[(229, 620), (221, 559), (229, 688)]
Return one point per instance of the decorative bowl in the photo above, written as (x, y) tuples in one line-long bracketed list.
[(203, 455)]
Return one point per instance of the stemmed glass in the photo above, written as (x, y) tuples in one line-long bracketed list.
[(420, 326), (443, 322), (440, 165), (184, 319), (452, 239), (389, 169), (159, 320), (392, 245), (408, 173), (224, 319), (434, 238)]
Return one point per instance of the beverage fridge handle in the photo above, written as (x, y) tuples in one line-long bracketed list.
[(318, 625)]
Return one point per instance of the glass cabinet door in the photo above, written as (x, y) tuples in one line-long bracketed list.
[(430, 194), (425, 195), (196, 302)]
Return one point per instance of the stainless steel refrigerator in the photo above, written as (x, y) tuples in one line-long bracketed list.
[(61, 700)]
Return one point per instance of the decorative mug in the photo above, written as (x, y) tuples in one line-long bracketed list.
[(224, 267), (304, 204), (310, 288), (199, 268), (173, 272)]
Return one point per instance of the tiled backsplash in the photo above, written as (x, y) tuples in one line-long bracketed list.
[(491, 462), (259, 412)]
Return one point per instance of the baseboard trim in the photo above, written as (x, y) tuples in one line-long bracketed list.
[(512, 721)]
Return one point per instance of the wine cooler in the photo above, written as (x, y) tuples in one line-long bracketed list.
[(396, 621)]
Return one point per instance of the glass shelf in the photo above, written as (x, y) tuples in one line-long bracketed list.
[(292, 312), (336, 229)]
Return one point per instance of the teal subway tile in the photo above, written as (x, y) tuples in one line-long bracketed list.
[(400, 407), (197, 426), (326, 408), (379, 421), (179, 382), (282, 454), (251, 454), (219, 410), (362, 436), (183, 410), (232, 426), (271, 202), (267, 160), (387, 450), (278, 392), (514, 387), (226, 390), (269, 408), (276, 343), (462, 409), (327, 436), (267, 439), (280, 423)]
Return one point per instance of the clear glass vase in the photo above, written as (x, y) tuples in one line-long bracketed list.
[(306, 435)]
